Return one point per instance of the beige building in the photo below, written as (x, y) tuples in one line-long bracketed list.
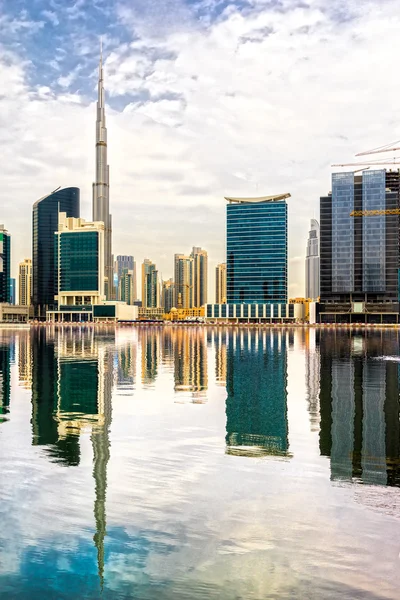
[(25, 282), (200, 276), (220, 283), (184, 281)]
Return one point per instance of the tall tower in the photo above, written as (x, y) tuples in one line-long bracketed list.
[(312, 261), (101, 187)]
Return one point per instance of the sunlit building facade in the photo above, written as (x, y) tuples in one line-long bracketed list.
[(25, 282), (257, 250), (200, 276), (184, 281), (312, 262), (220, 284)]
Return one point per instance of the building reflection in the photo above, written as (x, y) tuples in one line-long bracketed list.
[(220, 344), (256, 405), (126, 363), (7, 351), (25, 360), (359, 406), (190, 357), (72, 381), (149, 342), (311, 344)]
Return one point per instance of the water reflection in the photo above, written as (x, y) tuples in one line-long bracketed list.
[(359, 406), (6, 349), (256, 406)]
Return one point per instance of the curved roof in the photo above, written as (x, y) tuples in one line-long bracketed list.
[(274, 198)]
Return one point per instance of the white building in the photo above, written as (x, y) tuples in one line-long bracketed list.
[(312, 262)]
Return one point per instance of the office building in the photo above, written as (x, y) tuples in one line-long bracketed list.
[(150, 287), (167, 295), (184, 281), (359, 248), (101, 186), (45, 224), (25, 282), (5, 264), (79, 254), (126, 287), (312, 262), (257, 250), (220, 283), (13, 299), (200, 276), (126, 263)]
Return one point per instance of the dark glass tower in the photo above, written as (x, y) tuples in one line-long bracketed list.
[(45, 224), (256, 240), (5, 252), (359, 259)]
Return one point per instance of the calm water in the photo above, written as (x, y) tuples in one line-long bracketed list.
[(199, 463)]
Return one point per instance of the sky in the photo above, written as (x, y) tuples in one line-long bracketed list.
[(205, 98)]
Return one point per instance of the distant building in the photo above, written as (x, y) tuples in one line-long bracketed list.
[(184, 281), (150, 287), (127, 263), (220, 283), (200, 276), (45, 224), (312, 262), (359, 260), (12, 291), (5, 264), (25, 282), (167, 295), (257, 242), (126, 287)]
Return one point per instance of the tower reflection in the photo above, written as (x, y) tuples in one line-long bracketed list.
[(7, 351), (72, 381), (190, 356), (359, 406), (256, 406)]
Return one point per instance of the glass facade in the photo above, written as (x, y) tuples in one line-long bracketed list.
[(342, 232), (374, 232), (5, 266), (257, 252), (45, 224), (78, 261)]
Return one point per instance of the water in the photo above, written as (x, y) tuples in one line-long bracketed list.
[(195, 463)]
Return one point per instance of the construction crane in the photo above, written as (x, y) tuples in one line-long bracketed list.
[(380, 162), (387, 148)]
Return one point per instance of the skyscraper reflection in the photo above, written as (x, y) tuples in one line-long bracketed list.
[(190, 355), (256, 406), (311, 343), (359, 406), (149, 342), (6, 352)]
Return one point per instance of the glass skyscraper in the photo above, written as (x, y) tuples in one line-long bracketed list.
[(359, 251), (45, 224), (5, 252), (257, 243)]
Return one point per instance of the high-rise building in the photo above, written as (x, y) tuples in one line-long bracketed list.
[(101, 187), (126, 287), (126, 263), (25, 282), (5, 264), (257, 242), (13, 299), (184, 281), (45, 224), (150, 287), (220, 283), (168, 290), (79, 253), (312, 262), (200, 276), (359, 262)]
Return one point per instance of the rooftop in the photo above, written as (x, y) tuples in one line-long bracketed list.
[(274, 198)]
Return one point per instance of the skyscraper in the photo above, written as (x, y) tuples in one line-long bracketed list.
[(45, 224), (257, 250), (25, 282), (150, 288), (101, 187), (184, 276), (220, 283), (200, 276), (168, 289), (126, 263), (359, 261), (5, 268), (125, 287), (312, 261), (12, 291)]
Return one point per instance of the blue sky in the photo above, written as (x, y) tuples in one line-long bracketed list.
[(205, 98)]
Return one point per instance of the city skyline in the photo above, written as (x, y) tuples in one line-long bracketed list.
[(164, 176)]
